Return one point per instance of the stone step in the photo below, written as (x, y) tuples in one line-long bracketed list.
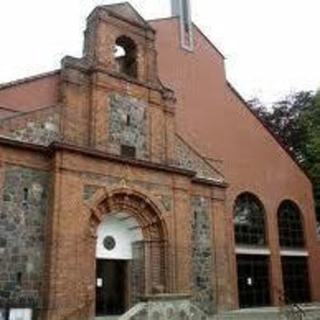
[(271, 313)]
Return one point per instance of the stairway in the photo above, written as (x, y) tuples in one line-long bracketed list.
[(311, 312), (163, 306)]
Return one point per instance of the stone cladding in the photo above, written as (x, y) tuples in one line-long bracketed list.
[(187, 158), (128, 125), (202, 260), (38, 127), (23, 207)]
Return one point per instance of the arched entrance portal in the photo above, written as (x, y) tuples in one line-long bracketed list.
[(130, 251), (116, 235)]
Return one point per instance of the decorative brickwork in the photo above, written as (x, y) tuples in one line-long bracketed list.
[(202, 255), (38, 127), (23, 207), (128, 125)]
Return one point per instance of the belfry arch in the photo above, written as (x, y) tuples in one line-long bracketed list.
[(130, 249)]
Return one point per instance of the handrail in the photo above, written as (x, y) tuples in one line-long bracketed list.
[(287, 301)]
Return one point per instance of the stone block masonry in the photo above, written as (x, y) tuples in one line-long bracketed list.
[(23, 207), (202, 255), (38, 127), (128, 125)]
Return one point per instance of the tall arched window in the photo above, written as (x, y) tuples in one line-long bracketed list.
[(249, 220), (125, 55), (252, 267), (290, 225), (294, 264)]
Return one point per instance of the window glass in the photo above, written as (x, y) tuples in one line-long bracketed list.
[(290, 225), (249, 220), (295, 279)]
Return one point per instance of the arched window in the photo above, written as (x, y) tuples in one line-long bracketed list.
[(249, 220), (125, 55), (290, 225)]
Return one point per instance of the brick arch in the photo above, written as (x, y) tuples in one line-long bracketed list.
[(255, 211), (141, 206), (155, 235)]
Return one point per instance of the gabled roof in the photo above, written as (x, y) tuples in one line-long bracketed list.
[(127, 12), (28, 79)]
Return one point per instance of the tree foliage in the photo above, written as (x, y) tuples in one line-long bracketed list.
[(295, 120)]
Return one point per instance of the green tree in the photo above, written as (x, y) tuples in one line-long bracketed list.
[(311, 120), (296, 121)]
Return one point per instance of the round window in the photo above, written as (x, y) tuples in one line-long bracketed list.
[(109, 243)]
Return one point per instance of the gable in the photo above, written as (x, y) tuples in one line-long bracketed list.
[(128, 12), (213, 118), (268, 130)]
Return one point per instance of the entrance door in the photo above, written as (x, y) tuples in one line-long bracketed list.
[(111, 287)]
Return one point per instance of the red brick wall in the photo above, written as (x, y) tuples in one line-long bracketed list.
[(213, 118), (31, 93)]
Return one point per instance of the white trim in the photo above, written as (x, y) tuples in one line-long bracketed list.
[(253, 251), (124, 229), (294, 253)]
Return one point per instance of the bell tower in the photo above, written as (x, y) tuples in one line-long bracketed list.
[(117, 38), (113, 98)]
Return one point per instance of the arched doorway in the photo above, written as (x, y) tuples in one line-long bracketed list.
[(130, 250), (116, 236)]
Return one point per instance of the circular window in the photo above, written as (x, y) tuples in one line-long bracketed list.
[(109, 243)]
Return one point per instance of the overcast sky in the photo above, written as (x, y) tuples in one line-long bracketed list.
[(272, 46)]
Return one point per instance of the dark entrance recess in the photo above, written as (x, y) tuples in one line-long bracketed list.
[(111, 287), (253, 281), (295, 279)]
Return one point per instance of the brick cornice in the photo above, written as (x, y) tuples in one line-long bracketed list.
[(22, 145), (57, 146), (93, 153), (220, 184)]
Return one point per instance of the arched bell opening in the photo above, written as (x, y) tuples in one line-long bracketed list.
[(131, 251), (125, 55)]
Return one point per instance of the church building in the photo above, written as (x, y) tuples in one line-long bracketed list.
[(136, 181)]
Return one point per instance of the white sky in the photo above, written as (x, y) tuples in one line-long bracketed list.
[(272, 46)]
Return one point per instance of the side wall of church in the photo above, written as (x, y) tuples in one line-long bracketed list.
[(212, 117)]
